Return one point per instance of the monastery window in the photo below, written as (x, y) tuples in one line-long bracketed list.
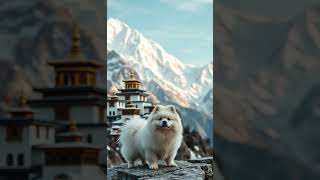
[(65, 79), (82, 78), (89, 138), (111, 104), (109, 113), (127, 97), (93, 79), (113, 113), (73, 79), (38, 132), (14, 133), (47, 132), (9, 159), (57, 78), (20, 159)]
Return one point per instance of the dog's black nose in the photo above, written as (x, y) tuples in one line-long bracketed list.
[(164, 123)]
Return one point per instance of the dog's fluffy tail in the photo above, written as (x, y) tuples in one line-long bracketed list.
[(129, 130)]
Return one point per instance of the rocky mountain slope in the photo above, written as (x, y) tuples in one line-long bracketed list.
[(34, 32), (266, 78), (168, 80)]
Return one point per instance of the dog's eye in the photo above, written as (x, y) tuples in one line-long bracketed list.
[(169, 119), (160, 119)]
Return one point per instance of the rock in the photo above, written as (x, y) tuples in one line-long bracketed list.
[(207, 160), (215, 171), (195, 169)]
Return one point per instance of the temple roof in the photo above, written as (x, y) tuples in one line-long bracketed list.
[(29, 121), (72, 90), (67, 100), (75, 56), (68, 145)]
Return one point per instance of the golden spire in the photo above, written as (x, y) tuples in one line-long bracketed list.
[(75, 44), (114, 91), (73, 126), (132, 74), (22, 100)]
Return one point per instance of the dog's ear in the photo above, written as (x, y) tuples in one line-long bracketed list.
[(156, 109), (172, 108)]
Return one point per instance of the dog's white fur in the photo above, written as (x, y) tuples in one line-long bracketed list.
[(151, 140)]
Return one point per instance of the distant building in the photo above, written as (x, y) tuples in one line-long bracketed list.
[(127, 104), (71, 157), (37, 143), (21, 131)]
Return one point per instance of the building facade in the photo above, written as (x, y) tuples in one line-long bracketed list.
[(31, 145), (126, 104)]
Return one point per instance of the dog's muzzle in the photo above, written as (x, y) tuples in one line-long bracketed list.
[(164, 124)]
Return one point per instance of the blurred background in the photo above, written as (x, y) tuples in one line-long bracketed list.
[(266, 88), (35, 32), (266, 67), (52, 123)]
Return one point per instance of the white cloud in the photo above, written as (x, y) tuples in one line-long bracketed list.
[(189, 5)]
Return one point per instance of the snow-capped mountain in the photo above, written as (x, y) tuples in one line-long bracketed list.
[(166, 78), (185, 84)]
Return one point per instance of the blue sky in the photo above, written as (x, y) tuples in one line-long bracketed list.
[(184, 28)]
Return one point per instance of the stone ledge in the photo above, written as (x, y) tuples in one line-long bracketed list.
[(195, 169)]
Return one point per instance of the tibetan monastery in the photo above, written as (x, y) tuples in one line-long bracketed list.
[(127, 104), (38, 140)]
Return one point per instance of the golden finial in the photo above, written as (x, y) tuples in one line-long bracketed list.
[(73, 126), (114, 91), (22, 100), (75, 46), (132, 74)]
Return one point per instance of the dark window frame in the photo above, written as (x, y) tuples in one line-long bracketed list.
[(47, 132), (14, 133), (38, 132), (89, 138), (9, 159), (20, 159)]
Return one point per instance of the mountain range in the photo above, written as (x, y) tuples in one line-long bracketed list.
[(266, 94), (165, 77)]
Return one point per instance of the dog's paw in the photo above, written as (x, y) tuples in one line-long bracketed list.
[(153, 166), (172, 164)]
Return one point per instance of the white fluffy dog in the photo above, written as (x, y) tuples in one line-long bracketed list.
[(158, 138)]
